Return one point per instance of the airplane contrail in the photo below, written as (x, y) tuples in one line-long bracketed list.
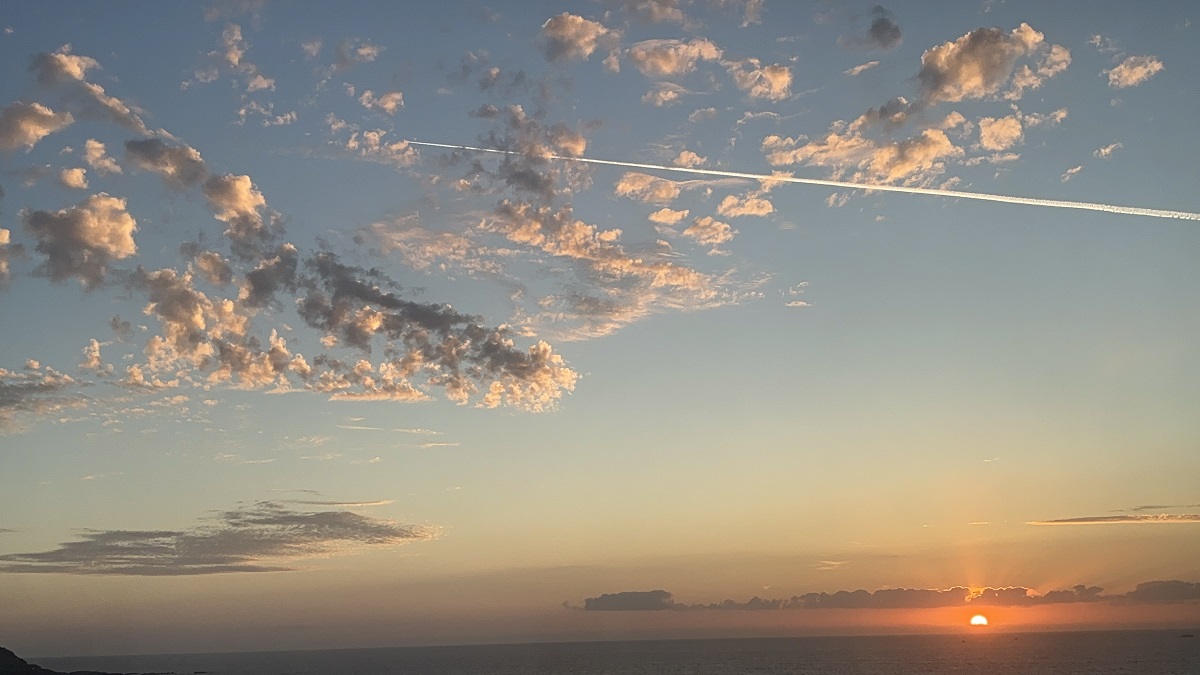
[(982, 196)]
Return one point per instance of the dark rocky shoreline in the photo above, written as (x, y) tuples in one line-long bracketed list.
[(11, 664)]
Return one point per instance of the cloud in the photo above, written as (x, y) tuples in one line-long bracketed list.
[(844, 149), (689, 158), (569, 36), (1070, 173), (319, 502), (180, 166), (35, 391), (664, 94), (74, 178), (231, 56), (82, 240), (1133, 71), (883, 32), (665, 216), (655, 11), (906, 598), (733, 206), (630, 601), (388, 104), (237, 203), (768, 82), (263, 537), (1107, 151), (1000, 134), (94, 155), (979, 63), (22, 125), (671, 58), (860, 69), (1135, 519), (7, 250), (707, 231), (69, 71), (646, 188)]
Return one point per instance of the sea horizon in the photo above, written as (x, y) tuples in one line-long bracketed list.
[(989, 633)]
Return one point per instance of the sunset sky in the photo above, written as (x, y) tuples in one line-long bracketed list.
[(275, 375)]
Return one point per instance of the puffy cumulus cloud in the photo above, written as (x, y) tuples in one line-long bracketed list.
[(979, 63), (664, 94), (180, 166), (666, 216), (733, 206), (1070, 173), (913, 159), (82, 240), (388, 103), (34, 391), (213, 268), (22, 125), (1133, 71), (689, 158), (671, 58), (1000, 134), (907, 598), (769, 82), (236, 202), (94, 153), (646, 188), (62, 68), (375, 146), (570, 36), (630, 601), (262, 537), (75, 178), (707, 231), (1055, 61), (93, 361)]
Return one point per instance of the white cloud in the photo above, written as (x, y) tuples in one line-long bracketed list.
[(1133, 71)]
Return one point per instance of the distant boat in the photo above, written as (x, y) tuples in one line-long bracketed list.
[(1186, 635)]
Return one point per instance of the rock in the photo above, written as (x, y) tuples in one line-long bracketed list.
[(11, 664)]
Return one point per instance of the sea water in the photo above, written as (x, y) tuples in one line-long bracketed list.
[(1124, 652)]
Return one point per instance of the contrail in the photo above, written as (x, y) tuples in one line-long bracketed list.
[(982, 196)]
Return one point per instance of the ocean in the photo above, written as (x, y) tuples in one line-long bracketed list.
[(1124, 652)]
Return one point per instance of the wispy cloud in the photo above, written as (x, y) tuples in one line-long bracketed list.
[(262, 537), (1136, 519)]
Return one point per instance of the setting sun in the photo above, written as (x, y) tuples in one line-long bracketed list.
[(979, 620)]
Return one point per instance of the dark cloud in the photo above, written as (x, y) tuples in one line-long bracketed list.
[(180, 166), (121, 328), (883, 33), (1164, 591), (630, 601), (263, 537), (908, 598), (82, 240)]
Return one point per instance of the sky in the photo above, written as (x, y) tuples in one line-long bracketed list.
[(461, 322)]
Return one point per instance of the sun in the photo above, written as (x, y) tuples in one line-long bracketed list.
[(979, 620)]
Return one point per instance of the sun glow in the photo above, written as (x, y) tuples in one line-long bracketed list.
[(979, 620)]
